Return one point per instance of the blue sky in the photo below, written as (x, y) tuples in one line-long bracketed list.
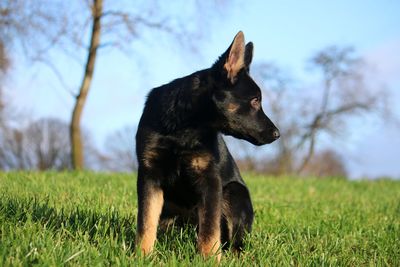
[(285, 32)]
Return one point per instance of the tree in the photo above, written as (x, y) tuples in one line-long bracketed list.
[(75, 127), (130, 22), (326, 163), (344, 94), (41, 145), (47, 145), (306, 113), (33, 27), (4, 65), (57, 24), (120, 150), (4, 62)]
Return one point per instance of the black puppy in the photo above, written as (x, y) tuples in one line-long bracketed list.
[(185, 168)]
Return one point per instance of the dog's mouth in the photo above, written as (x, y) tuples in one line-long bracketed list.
[(254, 141), (259, 142), (263, 139)]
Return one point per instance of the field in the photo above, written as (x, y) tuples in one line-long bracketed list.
[(88, 219)]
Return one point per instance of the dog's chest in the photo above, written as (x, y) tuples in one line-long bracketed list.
[(177, 181), (177, 166), (178, 163)]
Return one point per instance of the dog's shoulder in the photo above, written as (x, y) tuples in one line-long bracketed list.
[(173, 105)]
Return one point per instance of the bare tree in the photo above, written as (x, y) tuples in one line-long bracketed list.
[(344, 94), (280, 99), (75, 128), (34, 26), (2, 105), (47, 145), (43, 144), (4, 65), (56, 24), (306, 113), (4, 61), (326, 163), (119, 152), (122, 25)]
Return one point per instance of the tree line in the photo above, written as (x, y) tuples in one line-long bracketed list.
[(341, 91)]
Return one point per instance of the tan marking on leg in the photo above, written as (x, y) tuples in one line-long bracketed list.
[(232, 107), (152, 214), (210, 245), (200, 162)]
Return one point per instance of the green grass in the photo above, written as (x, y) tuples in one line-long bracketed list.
[(88, 219)]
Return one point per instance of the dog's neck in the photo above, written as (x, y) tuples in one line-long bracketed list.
[(190, 103)]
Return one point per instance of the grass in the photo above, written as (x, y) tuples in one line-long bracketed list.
[(88, 219)]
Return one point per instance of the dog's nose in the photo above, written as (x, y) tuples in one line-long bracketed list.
[(276, 134)]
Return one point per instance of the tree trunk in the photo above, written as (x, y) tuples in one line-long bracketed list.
[(75, 128), (309, 155)]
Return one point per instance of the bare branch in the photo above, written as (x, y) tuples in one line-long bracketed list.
[(59, 76)]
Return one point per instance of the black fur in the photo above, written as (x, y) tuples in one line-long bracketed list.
[(180, 149)]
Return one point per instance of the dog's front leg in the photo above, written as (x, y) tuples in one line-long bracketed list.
[(150, 202), (209, 213)]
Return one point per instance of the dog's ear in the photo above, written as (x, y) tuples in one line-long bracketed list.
[(235, 56), (248, 54)]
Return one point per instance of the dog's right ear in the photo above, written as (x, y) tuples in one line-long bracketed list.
[(233, 60)]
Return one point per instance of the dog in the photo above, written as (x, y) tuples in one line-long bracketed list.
[(185, 169)]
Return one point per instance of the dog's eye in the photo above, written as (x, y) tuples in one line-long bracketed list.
[(255, 102)]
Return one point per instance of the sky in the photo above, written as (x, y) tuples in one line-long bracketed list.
[(284, 32)]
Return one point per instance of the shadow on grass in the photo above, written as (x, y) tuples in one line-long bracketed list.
[(97, 226), (75, 223)]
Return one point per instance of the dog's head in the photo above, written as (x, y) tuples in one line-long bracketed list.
[(238, 98)]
